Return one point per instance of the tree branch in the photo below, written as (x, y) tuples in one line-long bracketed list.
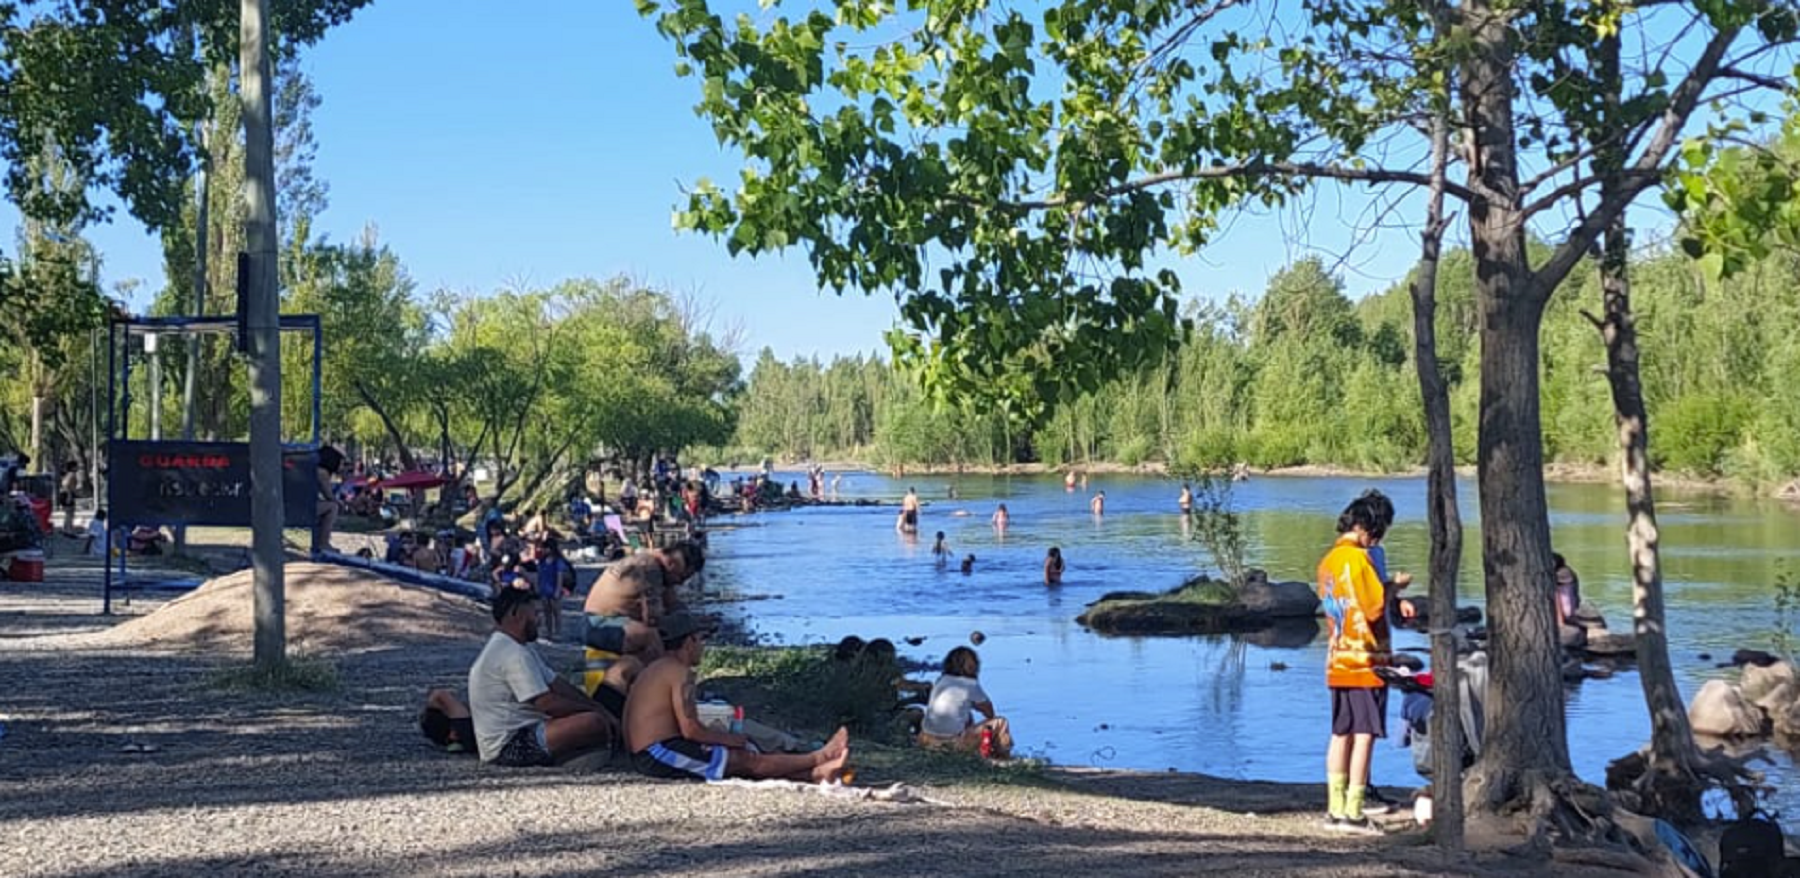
[(1577, 185), (1645, 171), (1772, 83), (1308, 170)]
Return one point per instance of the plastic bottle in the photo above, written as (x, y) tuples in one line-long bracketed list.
[(737, 720), (987, 743)]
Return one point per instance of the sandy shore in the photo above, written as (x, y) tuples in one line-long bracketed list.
[(341, 784)]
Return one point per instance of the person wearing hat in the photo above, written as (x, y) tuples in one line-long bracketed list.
[(667, 739), (523, 713)]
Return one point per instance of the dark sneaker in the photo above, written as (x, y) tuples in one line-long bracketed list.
[(1376, 803), (1355, 826), (1331, 821)]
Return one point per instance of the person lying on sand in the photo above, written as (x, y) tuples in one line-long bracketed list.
[(524, 714), (445, 722), (667, 739)]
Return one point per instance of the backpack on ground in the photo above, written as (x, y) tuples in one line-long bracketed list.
[(1752, 847)]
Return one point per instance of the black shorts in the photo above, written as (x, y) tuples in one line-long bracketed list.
[(910, 517), (682, 759), (525, 749), (1358, 711), (612, 700)]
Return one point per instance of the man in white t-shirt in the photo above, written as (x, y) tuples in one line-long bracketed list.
[(524, 715)]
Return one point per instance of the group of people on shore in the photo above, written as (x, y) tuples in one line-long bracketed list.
[(520, 713)]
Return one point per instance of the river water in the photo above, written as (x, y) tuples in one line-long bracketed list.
[(1225, 706)]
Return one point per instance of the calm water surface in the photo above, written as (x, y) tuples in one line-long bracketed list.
[(1216, 704)]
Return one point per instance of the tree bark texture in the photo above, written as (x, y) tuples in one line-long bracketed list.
[(1442, 516), (1526, 748), (265, 339), (1670, 787)]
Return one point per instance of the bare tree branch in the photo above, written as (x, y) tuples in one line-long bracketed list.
[(1646, 170)]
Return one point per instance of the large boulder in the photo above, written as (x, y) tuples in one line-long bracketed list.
[(1786, 717), (1278, 600), (1761, 684), (1720, 710)]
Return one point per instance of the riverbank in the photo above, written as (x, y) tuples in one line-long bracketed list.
[(1565, 473), (133, 761)]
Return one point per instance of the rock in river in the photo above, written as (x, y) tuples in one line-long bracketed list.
[(1720, 710)]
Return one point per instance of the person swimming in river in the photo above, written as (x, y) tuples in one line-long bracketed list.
[(1069, 481), (909, 512), (1001, 518), (968, 564), (940, 551), (1098, 504), (1053, 567), (1186, 502)]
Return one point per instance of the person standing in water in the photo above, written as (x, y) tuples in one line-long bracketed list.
[(940, 551), (1098, 504), (1001, 518), (1069, 481), (909, 512), (1053, 567), (1187, 498)]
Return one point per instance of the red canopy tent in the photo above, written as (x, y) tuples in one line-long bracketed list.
[(417, 480)]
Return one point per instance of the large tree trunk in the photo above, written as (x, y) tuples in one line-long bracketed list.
[(1445, 520), (1525, 756), (1671, 785)]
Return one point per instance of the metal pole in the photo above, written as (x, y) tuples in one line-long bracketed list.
[(94, 409), (112, 390), (263, 313), (202, 244), (151, 351)]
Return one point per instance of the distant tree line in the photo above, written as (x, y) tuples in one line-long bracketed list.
[(1303, 375)]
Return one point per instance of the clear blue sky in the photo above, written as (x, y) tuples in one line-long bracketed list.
[(549, 140)]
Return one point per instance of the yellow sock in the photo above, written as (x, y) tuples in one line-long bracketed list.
[(1353, 801), (1336, 787)]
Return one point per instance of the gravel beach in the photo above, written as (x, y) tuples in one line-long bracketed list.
[(341, 783)]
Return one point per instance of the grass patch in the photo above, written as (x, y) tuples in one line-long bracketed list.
[(293, 675), (1200, 606), (804, 690)]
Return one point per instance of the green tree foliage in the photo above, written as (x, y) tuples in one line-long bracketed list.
[(1321, 380)]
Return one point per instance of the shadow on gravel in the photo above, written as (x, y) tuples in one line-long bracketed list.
[(885, 841)]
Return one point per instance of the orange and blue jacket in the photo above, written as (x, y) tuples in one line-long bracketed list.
[(1355, 605)]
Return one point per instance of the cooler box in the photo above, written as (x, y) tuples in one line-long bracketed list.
[(27, 566)]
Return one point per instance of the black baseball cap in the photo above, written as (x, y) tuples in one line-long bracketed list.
[(677, 626)]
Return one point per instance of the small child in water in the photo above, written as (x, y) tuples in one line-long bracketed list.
[(1053, 567), (968, 565), (940, 550)]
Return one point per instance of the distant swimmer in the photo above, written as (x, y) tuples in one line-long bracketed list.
[(909, 512), (1001, 518), (1069, 481), (1098, 504), (1053, 567), (940, 550), (1187, 498)]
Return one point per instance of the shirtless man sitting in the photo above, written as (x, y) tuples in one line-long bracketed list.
[(667, 739), (629, 600)]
